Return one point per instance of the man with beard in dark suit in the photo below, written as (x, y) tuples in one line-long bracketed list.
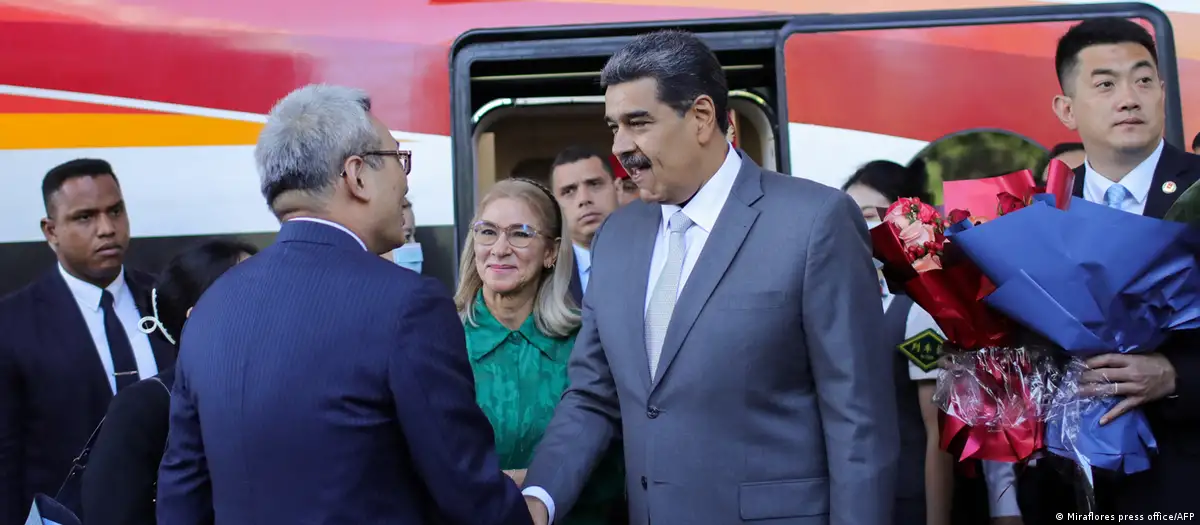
[(70, 340), (1113, 96)]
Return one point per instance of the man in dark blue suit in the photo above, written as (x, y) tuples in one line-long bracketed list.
[(1114, 98), (318, 382), (70, 339)]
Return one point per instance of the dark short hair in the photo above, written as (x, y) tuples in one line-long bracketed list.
[(73, 169), (186, 277), (683, 65), (893, 180), (1065, 147), (1196, 142), (1095, 32), (573, 154)]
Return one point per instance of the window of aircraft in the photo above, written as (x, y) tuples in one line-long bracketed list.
[(858, 96), (520, 137), (980, 153)]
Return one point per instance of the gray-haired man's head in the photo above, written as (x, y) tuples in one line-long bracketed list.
[(667, 103), (322, 153)]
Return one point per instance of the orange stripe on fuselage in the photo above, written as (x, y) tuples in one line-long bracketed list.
[(94, 130)]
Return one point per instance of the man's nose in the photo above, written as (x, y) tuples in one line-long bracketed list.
[(105, 226), (1129, 99), (622, 143)]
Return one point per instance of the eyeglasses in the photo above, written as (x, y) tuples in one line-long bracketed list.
[(519, 235), (402, 155)]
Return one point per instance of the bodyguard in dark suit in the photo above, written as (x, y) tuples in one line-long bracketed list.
[(586, 191), (1113, 96), (318, 382), (69, 340)]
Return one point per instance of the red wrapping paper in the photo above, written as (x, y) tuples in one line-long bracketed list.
[(953, 295), (979, 195)]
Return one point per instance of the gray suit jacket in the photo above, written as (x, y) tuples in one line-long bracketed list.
[(773, 399)]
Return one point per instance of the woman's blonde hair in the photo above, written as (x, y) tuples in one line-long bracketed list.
[(554, 312)]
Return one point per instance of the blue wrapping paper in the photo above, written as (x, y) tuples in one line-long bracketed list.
[(1093, 280)]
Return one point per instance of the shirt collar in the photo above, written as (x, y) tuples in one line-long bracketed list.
[(333, 225), (705, 206), (1137, 181), (490, 334), (88, 295), (583, 258)]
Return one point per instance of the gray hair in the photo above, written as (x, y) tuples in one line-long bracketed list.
[(683, 65), (309, 134), (554, 311)]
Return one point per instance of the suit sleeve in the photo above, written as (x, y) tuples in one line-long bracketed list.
[(118, 484), (587, 418), (184, 485), (451, 441), (851, 366), (1184, 354), (12, 449)]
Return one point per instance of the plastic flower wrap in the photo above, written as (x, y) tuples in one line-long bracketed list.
[(987, 412), (1091, 280)]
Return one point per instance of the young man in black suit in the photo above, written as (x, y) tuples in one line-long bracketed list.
[(1113, 96), (70, 340)]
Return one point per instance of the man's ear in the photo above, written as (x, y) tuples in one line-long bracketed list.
[(1064, 110), (352, 177), (48, 231), (705, 113)]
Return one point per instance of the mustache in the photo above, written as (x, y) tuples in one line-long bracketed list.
[(634, 161)]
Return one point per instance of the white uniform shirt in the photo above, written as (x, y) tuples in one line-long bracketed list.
[(1000, 477)]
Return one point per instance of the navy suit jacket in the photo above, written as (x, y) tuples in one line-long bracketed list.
[(321, 384), (1169, 484), (53, 388)]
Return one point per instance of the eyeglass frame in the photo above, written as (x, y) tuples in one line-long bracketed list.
[(403, 156), (506, 231)]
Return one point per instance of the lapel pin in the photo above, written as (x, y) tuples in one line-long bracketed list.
[(1168, 187)]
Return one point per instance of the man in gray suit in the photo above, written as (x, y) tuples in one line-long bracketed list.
[(730, 329)]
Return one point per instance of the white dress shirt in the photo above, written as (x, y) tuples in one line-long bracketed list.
[(333, 225), (999, 477), (703, 210), (1137, 181), (583, 265), (87, 295)]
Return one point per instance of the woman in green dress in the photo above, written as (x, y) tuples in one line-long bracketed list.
[(513, 296)]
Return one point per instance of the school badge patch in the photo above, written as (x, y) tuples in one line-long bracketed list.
[(923, 349)]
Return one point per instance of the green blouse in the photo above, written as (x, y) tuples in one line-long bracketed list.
[(519, 378)]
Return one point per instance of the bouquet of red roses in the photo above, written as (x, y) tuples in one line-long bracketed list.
[(992, 393)]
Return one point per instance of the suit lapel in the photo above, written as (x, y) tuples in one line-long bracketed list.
[(1080, 175), (63, 328), (1173, 167), (139, 285), (732, 226), (1172, 171), (640, 250)]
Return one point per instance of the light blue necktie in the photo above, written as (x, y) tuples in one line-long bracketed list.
[(666, 290), (1115, 196)]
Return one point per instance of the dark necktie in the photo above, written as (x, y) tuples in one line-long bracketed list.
[(124, 365)]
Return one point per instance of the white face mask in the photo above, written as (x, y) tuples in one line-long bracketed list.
[(409, 256)]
